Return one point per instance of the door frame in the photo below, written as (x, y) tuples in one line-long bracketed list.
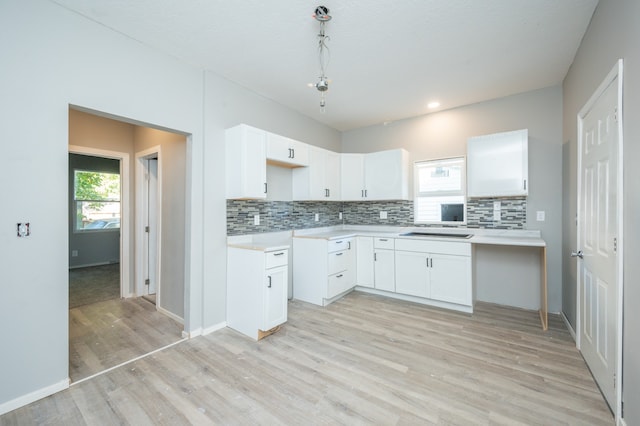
[(141, 205), (125, 225), (615, 73)]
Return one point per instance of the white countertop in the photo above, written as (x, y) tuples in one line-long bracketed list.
[(480, 236), (273, 241)]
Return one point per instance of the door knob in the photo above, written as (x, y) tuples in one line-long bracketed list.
[(577, 254)]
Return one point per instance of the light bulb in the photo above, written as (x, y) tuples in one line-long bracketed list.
[(322, 104)]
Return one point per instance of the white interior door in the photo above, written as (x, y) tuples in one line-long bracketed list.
[(598, 239), (151, 227)]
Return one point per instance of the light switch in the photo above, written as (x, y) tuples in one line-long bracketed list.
[(383, 215), (540, 216), (340, 215), (317, 217), (256, 219)]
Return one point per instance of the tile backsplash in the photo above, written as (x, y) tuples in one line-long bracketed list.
[(290, 215)]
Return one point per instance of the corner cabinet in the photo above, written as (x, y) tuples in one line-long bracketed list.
[(256, 290), (497, 165), (321, 180), (246, 163), (382, 175), (323, 270)]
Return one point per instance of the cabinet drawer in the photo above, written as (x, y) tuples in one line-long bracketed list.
[(338, 261), (339, 244), (383, 243), (430, 246), (339, 283), (276, 258)]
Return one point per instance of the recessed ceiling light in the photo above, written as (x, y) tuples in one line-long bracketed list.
[(432, 105)]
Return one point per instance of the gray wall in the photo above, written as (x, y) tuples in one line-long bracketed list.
[(173, 230), (94, 248), (444, 134), (613, 33)]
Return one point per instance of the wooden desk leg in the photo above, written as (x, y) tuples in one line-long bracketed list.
[(544, 317)]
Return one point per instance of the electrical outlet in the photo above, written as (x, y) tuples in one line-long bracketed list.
[(340, 215), (256, 219), (540, 216), (383, 215), (74, 253), (23, 229), (497, 208), (317, 218)]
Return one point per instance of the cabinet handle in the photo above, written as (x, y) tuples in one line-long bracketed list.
[(362, 193), (524, 184), (431, 263), (339, 242), (269, 285), (279, 254), (366, 192), (339, 276), (293, 153), (427, 259), (265, 187), (348, 245), (382, 239), (375, 257), (339, 254)]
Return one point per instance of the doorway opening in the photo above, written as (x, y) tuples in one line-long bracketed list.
[(108, 333)]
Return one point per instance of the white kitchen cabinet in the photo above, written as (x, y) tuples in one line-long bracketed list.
[(384, 264), (246, 167), (364, 262), (283, 151), (382, 175), (435, 270), (256, 290), (319, 181), (412, 273), (497, 165), (323, 269)]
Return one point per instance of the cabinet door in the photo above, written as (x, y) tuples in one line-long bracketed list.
[(246, 171), (384, 270), (285, 151), (451, 278), (364, 261), (352, 179), (497, 165), (387, 175), (332, 175), (412, 273), (275, 298)]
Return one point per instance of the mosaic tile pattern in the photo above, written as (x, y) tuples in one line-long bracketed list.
[(290, 215)]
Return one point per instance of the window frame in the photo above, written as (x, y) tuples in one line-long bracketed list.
[(76, 202), (462, 192)]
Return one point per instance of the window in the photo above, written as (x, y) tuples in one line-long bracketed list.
[(96, 196), (440, 191)]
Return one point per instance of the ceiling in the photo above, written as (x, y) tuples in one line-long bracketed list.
[(389, 58)]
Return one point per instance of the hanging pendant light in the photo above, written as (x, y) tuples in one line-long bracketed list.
[(322, 16)]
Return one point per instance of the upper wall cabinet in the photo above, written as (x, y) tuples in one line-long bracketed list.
[(286, 152), (497, 165), (246, 162), (382, 175), (319, 181)]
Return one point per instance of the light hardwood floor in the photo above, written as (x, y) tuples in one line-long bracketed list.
[(106, 334), (362, 360)]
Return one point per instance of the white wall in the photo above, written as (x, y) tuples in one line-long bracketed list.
[(613, 33), (445, 134), (53, 58)]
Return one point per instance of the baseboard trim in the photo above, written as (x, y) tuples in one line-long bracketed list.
[(193, 333), (568, 325), (170, 314), (33, 396), (89, 265), (214, 328)]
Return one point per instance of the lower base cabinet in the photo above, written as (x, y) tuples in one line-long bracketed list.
[(256, 290)]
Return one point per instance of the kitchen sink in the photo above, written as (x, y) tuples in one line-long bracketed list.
[(436, 234)]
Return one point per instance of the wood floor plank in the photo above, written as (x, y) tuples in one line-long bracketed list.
[(363, 360)]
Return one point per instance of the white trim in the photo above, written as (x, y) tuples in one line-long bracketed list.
[(170, 314), (141, 191), (214, 328), (191, 334), (127, 362), (615, 73), (125, 218), (568, 325), (88, 265), (26, 399), (420, 300)]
